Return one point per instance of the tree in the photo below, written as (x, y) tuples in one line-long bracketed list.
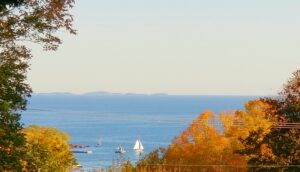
[(204, 147), (35, 21), (201, 147), (247, 130), (23, 21), (4, 3), (290, 99), (127, 167), (282, 145), (154, 161), (13, 93), (249, 140), (50, 153)]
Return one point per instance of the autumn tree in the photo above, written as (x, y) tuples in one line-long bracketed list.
[(290, 99), (282, 144), (215, 144), (201, 147), (47, 150), (247, 130), (127, 167), (249, 139), (198, 144), (23, 21), (154, 161)]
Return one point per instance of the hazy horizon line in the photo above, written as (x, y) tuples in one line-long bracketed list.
[(99, 93)]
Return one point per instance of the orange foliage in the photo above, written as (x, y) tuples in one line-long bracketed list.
[(203, 147), (202, 144)]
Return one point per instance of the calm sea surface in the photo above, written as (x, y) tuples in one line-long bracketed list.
[(120, 120)]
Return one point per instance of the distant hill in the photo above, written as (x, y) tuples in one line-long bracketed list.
[(55, 94), (101, 93), (106, 93), (98, 93)]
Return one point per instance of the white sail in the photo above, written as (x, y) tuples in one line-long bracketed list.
[(141, 146), (138, 145)]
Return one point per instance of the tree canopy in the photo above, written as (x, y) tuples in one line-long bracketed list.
[(205, 146), (35, 21), (13, 93), (282, 144), (14, 3), (47, 149), (244, 140), (21, 22)]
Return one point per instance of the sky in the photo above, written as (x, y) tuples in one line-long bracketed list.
[(181, 47)]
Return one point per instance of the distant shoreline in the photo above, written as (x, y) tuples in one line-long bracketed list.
[(138, 94)]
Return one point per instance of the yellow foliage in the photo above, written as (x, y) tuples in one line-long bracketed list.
[(203, 147), (48, 149), (266, 152), (241, 123), (203, 144)]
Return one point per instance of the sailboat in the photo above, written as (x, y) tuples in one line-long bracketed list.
[(120, 150), (138, 147)]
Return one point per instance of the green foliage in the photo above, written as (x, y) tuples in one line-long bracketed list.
[(13, 87), (14, 3), (47, 149), (11, 140), (23, 21), (13, 93)]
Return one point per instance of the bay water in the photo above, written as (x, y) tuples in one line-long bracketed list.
[(118, 120)]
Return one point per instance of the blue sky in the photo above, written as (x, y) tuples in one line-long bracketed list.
[(193, 47)]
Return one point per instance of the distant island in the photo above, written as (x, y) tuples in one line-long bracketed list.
[(98, 93)]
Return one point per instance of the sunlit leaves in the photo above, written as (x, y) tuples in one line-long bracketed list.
[(212, 144), (47, 149), (248, 139)]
